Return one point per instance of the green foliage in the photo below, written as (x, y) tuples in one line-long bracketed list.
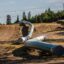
[(8, 19), (17, 20), (29, 16), (48, 16), (24, 16)]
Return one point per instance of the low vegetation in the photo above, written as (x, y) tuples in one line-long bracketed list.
[(45, 17)]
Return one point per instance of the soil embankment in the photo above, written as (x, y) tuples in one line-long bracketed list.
[(55, 34)]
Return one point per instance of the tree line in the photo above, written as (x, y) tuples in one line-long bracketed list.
[(46, 17)]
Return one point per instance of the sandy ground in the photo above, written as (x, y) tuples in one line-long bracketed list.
[(15, 53), (9, 32)]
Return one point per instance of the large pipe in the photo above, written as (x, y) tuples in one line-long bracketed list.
[(54, 49), (39, 38), (37, 43), (31, 26)]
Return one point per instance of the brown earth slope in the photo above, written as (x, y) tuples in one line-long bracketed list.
[(9, 32), (54, 32), (12, 32)]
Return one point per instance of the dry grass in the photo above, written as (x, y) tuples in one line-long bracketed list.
[(9, 32), (12, 32)]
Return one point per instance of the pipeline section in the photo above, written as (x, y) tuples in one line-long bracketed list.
[(51, 48), (31, 26), (37, 42)]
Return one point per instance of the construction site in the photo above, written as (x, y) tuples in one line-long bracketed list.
[(12, 52)]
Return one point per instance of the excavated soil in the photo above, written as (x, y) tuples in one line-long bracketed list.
[(15, 53), (9, 32)]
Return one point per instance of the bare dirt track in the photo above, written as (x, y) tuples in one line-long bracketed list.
[(12, 53)]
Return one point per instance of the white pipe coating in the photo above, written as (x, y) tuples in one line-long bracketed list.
[(31, 26), (39, 38)]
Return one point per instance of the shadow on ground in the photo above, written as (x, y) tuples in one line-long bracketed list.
[(54, 40), (60, 33), (22, 52), (57, 29), (57, 63), (25, 57)]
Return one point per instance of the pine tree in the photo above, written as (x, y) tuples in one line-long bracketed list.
[(8, 19), (17, 20), (29, 15), (24, 16)]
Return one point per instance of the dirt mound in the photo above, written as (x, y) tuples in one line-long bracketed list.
[(9, 32), (44, 28), (12, 32)]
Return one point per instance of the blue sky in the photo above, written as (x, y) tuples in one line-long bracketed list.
[(16, 7)]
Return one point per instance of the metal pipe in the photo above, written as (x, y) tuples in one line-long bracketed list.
[(54, 49), (37, 43), (31, 26), (39, 38)]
